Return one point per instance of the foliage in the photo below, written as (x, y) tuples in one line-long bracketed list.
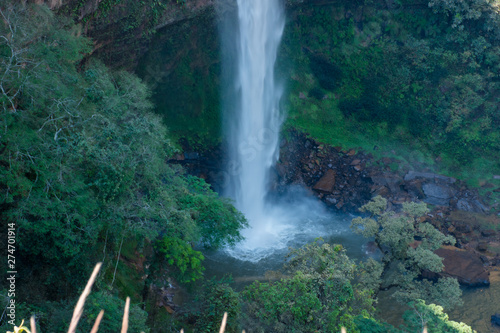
[(113, 314), (432, 316), (409, 77), (216, 218), (84, 162), (319, 295), (395, 234), (182, 256), (187, 87), (216, 298)]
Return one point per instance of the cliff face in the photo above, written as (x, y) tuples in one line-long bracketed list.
[(122, 30)]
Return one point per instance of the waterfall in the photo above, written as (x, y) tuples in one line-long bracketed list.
[(250, 98), (254, 115), (254, 134)]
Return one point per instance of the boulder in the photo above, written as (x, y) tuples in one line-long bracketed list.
[(465, 266), (471, 205), (414, 188), (437, 194), (389, 180), (326, 183)]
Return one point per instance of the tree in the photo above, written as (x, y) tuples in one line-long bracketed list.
[(83, 162), (408, 246), (319, 294), (431, 316)]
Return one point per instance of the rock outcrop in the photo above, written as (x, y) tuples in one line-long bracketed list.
[(465, 266)]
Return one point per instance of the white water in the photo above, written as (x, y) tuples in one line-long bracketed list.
[(254, 135), (254, 130)]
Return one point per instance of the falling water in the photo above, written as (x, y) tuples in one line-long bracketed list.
[(254, 135), (255, 120), (251, 100)]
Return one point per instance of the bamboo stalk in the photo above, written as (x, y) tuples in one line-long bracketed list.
[(95, 328), (77, 313), (125, 316), (223, 325), (33, 324)]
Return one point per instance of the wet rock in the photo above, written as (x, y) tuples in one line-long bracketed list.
[(281, 170), (465, 266), (437, 194), (331, 199), (326, 183), (495, 319)]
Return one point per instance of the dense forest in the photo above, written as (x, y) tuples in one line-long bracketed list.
[(105, 103)]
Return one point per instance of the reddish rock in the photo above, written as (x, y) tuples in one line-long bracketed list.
[(351, 152), (326, 183), (356, 162), (382, 191), (465, 266)]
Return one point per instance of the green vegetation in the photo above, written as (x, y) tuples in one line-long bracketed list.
[(84, 170), (183, 66), (84, 174), (409, 79), (433, 317), (320, 294), (405, 259)]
